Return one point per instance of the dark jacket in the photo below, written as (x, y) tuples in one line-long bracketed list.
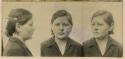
[(50, 48), (15, 47), (113, 49)]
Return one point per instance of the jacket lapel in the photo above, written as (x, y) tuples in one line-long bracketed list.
[(111, 49), (27, 52), (94, 47), (53, 47)]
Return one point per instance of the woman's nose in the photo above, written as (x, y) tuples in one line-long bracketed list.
[(33, 29), (61, 27), (96, 28)]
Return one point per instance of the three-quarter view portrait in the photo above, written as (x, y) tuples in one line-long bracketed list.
[(102, 44), (60, 44), (19, 29)]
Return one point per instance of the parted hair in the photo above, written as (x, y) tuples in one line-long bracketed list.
[(19, 15)]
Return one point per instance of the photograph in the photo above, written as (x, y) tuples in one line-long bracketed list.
[(105, 30), (63, 45), (82, 29), (51, 24), (102, 27), (18, 29)]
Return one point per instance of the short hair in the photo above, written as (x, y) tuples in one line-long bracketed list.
[(18, 15), (61, 13), (108, 18)]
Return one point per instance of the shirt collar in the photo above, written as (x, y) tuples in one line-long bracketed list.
[(94, 43), (52, 42)]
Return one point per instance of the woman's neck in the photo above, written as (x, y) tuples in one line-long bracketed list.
[(105, 38), (19, 37), (60, 41)]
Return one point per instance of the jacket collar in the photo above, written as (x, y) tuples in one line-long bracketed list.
[(52, 42), (19, 42), (15, 39), (92, 42), (109, 43)]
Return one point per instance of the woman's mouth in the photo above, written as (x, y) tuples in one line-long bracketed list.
[(96, 32), (61, 33)]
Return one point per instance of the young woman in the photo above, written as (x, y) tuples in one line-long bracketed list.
[(60, 44), (19, 29), (102, 44)]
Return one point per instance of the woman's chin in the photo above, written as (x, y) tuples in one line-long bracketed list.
[(99, 37), (28, 38)]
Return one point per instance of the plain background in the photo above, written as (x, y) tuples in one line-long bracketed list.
[(81, 13)]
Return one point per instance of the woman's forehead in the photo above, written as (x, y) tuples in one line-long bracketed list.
[(98, 18), (62, 18)]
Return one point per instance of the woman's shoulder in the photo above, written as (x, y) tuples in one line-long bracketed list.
[(115, 43), (12, 44), (73, 42), (89, 41), (47, 42), (11, 47)]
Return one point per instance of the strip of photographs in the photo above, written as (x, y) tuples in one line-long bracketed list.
[(84, 29)]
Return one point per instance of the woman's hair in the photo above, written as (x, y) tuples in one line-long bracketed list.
[(61, 13), (20, 16), (108, 18)]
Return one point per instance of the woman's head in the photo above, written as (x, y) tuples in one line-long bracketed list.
[(102, 24), (61, 24), (20, 23)]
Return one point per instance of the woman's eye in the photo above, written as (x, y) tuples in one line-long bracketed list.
[(66, 24), (30, 24), (57, 24), (93, 24), (100, 24)]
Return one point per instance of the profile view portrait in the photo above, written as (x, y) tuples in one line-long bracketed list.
[(60, 44), (102, 44), (19, 29)]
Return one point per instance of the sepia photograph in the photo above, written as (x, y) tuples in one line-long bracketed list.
[(52, 25), (102, 27), (106, 38), (19, 29), (63, 45), (78, 29)]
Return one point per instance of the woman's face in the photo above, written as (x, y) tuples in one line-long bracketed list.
[(61, 27), (99, 27), (27, 30)]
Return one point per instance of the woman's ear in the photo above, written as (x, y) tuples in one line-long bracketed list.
[(52, 29), (112, 27), (18, 27), (51, 26)]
